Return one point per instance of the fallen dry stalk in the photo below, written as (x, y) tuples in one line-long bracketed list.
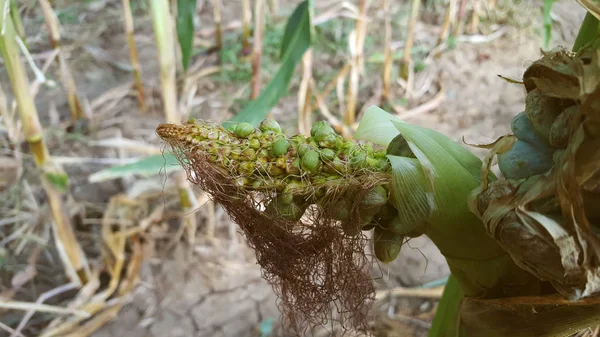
[(26, 306), (67, 78), (133, 56)]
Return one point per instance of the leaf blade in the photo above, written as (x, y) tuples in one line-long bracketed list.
[(145, 167), (186, 9), (257, 110)]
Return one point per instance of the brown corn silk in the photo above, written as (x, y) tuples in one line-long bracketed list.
[(314, 268), (549, 223)]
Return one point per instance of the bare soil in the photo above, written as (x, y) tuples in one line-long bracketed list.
[(214, 288)]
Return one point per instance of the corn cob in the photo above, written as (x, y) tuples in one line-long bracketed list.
[(323, 169)]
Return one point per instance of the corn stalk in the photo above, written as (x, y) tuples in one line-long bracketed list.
[(67, 79), (259, 23), (246, 18), (387, 51), (304, 94), (406, 62), (357, 43), (163, 31), (54, 180), (133, 56), (218, 24)]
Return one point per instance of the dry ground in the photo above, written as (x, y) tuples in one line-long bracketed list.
[(214, 288)]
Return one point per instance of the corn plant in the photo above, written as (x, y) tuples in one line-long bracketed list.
[(523, 249)]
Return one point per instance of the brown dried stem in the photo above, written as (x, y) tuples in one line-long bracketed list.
[(133, 56)]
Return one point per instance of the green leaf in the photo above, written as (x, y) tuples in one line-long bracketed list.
[(58, 180), (145, 167), (546, 8), (292, 25), (447, 318), (588, 32), (257, 110), (186, 9)]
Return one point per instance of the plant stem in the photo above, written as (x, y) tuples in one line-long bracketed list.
[(74, 261), (304, 95), (259, 16), (356, 63), (406, 59), (387, 51), (447, 20), (246, 17), (218, 24), (67, 79), (133, 56), (163, 31)]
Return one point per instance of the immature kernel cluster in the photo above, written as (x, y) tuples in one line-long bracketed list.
[(323, 169)]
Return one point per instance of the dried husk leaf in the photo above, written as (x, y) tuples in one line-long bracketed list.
[(549, 223)]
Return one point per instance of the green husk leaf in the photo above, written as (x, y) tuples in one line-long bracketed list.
[(409, 195)]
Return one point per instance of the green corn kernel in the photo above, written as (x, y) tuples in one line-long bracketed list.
[(254, 143), (248, 154), (386, 244), (290, 211), (310, 161), (327, 154), (357, 159), (274, 171), (320, 130), (244, 130), (372, 162), (280, 147), (247, 167), (269, 124)]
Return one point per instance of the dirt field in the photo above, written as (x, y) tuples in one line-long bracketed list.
[(214, 288)]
